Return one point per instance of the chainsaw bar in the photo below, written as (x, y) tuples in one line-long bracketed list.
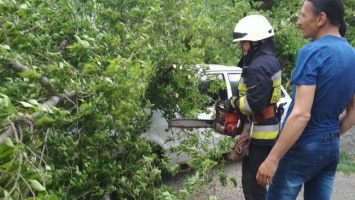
[(191, 123)]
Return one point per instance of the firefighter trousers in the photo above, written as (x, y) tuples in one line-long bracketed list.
[(250, 166)]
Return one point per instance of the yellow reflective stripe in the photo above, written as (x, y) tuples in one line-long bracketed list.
[(265, 135), (276, 95), (264, 132), (242, 88), (276, 90), (241, 105), (276, 83), (244, 106)]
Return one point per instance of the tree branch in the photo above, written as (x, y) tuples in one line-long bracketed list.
[(29, 30), (47, 85), (62, 46), (18, 67), (53, 101)]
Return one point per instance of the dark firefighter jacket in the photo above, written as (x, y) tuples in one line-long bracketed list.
[(260, 87)]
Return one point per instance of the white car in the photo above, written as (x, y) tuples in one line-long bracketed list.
[(166, 137)]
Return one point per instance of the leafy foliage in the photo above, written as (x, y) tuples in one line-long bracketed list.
[(79, 79)]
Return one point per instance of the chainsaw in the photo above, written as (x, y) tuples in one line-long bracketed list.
[(226, 122)]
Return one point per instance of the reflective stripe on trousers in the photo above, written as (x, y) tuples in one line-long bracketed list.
[(265, 132)]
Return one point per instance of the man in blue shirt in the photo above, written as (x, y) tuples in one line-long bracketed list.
[(307, 151)]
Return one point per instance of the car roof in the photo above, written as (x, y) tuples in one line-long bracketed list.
[(220, 68)]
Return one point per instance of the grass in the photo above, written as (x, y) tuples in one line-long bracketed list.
[(347, 163)]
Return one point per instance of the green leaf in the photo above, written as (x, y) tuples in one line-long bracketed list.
[(35, 185), (108, 80), (7, 194), (82, 42), (6, 47), (6, 102), (29, 74), (23, 6), (53, 197), (33, 101), (6, 152), (9, 142), (48, 168), (11, 166), (27, 105)]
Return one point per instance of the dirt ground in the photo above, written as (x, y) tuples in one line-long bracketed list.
[(343, 189), (347, 141)]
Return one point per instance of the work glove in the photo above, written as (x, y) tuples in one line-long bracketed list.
[(231, 104)]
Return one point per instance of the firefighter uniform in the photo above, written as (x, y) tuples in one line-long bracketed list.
[(259, 90)]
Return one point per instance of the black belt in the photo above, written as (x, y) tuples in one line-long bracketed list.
[(330, 136)]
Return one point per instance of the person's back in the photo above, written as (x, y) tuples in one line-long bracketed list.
[(331, 60)]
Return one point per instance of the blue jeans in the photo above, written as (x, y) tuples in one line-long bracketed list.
[(313, 165)]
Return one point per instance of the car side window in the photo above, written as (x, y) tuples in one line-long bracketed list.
[(234, 80), (214, 85)]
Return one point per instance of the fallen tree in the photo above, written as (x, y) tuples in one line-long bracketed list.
[(67, 83), (52, 101)]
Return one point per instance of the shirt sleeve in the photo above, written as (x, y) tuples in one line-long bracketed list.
[(307, 65)]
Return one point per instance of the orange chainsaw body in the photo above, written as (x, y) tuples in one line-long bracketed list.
[(227, 123)]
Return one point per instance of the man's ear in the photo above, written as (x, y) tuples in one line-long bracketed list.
[(322, 19)]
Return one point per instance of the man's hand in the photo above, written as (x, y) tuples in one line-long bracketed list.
[(231, 104), (266, 172)]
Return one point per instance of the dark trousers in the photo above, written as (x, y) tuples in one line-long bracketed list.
[(250, 166)]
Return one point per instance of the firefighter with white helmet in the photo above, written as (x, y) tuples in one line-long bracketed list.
[(259, 90), (252, 28)]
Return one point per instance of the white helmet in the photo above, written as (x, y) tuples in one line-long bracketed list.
[(252, 28)]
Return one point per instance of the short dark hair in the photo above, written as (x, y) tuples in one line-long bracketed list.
[(334, 9)]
